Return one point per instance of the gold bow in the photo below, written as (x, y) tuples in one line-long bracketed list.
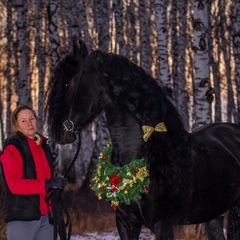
[(148, 130)]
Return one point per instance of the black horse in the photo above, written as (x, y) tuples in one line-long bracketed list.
[(194, 177)]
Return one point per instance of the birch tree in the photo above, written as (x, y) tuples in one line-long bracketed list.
[(201, 63), (101, 19), (88, 145), (40, 13), (182, 90), (63, 28), (131, 31), (215, 58), (153, 42), (71, 20), (226, 34), (9, 67), (84, 16), (3, 17), (174, 50), (117, 12), (84, 24), (52, 8), (23, 89), (161, 7), (178, 40), (144, 48), (102, 137), (235, 17)]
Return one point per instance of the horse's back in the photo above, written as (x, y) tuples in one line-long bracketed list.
[(216, 173), (217, 140)]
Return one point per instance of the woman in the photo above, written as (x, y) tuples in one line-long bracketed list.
[(28, 171)]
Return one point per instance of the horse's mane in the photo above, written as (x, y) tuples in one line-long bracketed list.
[(140, 93), (145, 99)]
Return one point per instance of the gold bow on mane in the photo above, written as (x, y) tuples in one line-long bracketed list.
[(148, 130)]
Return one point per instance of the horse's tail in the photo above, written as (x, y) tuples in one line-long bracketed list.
[(233, 225)]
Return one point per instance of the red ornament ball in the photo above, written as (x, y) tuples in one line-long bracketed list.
[(104, 158), (91, 188), (136, 170), (114, 208), (101, 187), (145, 188)]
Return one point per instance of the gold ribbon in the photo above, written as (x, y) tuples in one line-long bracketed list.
[(142, 173), (148, 130)]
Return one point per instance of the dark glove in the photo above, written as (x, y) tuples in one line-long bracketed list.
[(56, 182)]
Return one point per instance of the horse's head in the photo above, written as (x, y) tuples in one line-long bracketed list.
[(73, 98)]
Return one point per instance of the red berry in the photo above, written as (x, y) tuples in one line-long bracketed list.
[(113, 190)]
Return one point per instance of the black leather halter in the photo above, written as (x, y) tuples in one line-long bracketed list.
[(68, 124)]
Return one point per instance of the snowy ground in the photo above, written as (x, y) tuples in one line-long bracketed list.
[(111, 235)]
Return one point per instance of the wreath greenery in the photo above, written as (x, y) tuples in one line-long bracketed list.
[(119, 184)]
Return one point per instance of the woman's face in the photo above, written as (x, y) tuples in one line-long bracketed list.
[(27, 123)]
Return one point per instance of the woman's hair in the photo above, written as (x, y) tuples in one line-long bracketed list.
[(14, 117)]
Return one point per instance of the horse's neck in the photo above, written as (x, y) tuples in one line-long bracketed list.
[(126, 135)]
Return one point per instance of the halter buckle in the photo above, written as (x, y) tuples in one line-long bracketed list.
[(68, 125)]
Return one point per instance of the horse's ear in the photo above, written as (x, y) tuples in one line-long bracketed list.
[(79, 49)]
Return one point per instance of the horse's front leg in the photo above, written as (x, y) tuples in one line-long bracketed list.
[(164, 231), (127, 231)]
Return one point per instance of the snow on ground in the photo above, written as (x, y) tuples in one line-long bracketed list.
[(111, 235)]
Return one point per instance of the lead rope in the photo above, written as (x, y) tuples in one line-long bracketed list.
[(75, 157), (54, 199)]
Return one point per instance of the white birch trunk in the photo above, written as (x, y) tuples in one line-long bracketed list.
[(236, 49), (24, 94), (101, 11), (215, 60), (102, 137), (89, 8), (231, 111), (144, 47), (201, 63), (70, 16), (153, 42), (117, 14), (9, 76), (161, 7), (183, 96), (131, 31), (85, 155), (52, 6), (40, 9), (174, 46), (83, 23)]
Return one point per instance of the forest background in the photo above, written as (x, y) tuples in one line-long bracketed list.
[(191, 48)]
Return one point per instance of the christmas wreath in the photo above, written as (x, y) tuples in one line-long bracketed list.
[(119, 184)]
